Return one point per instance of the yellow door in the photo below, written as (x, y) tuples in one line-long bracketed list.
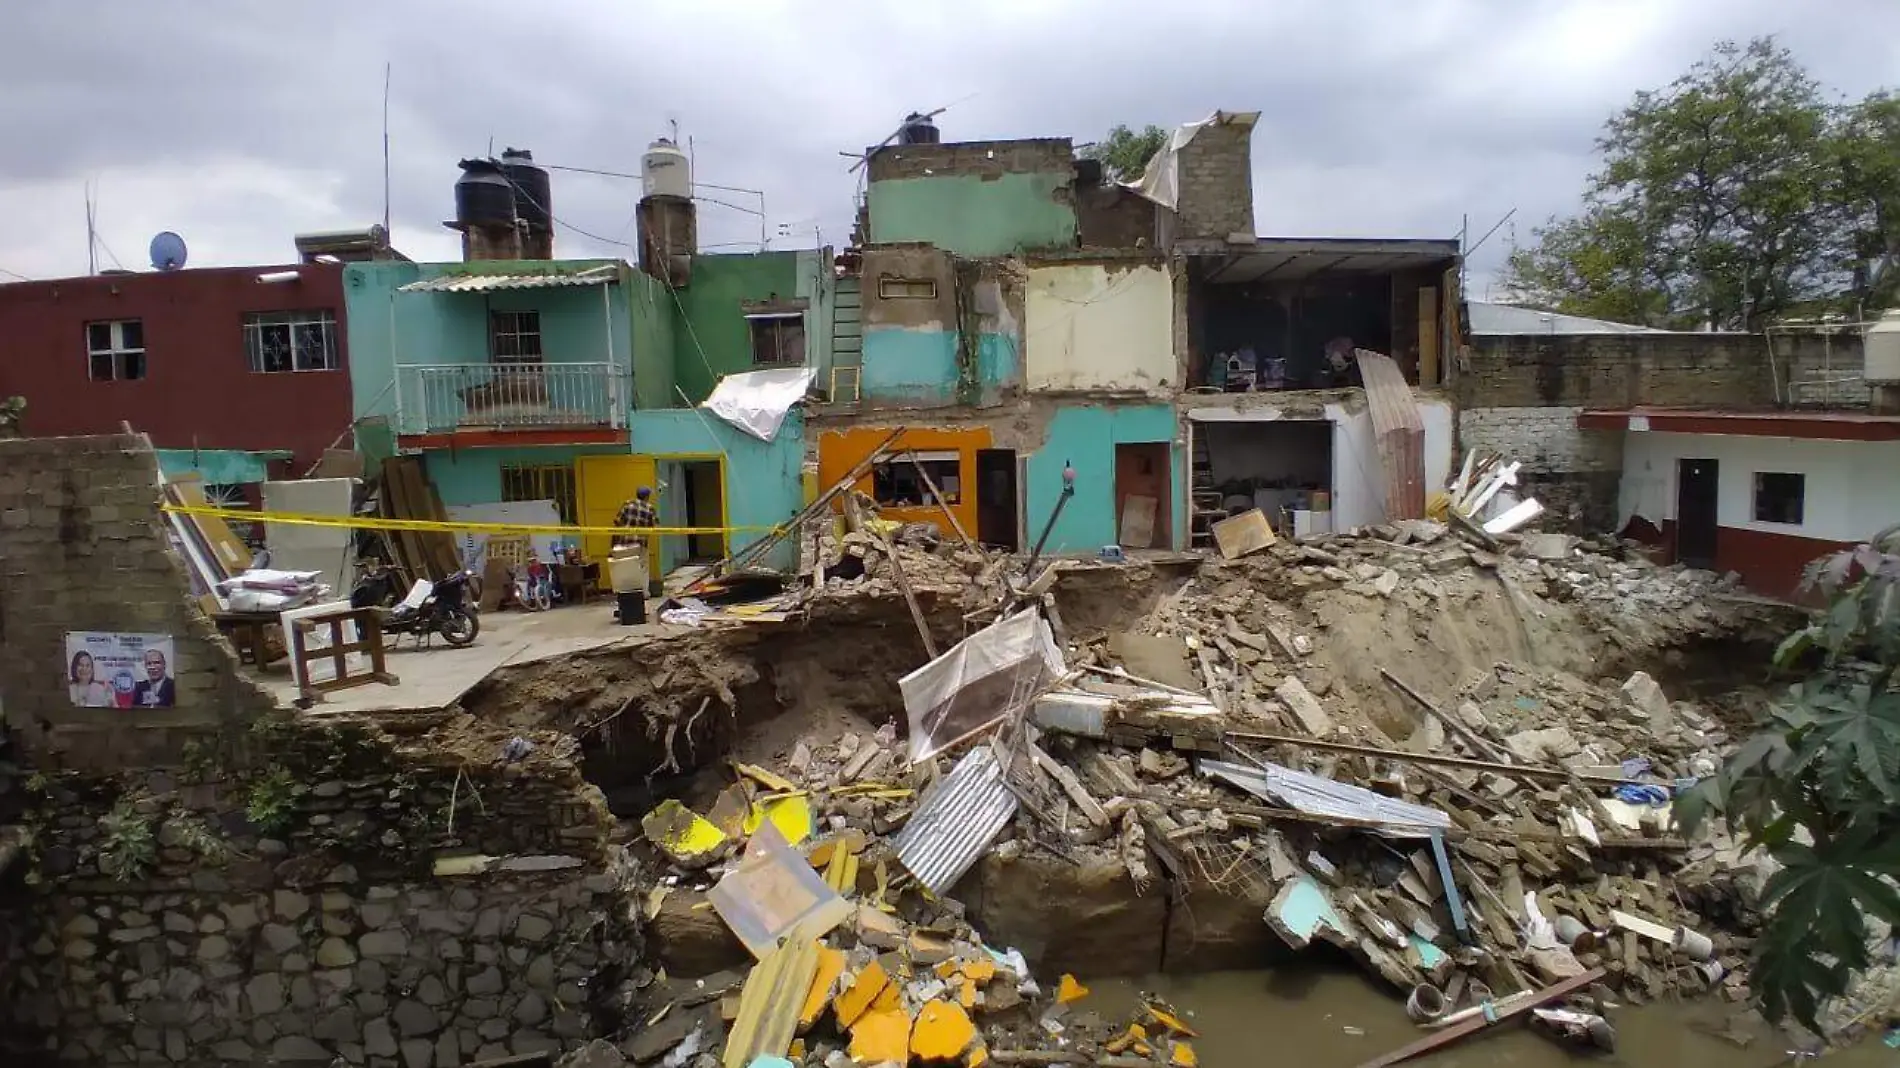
[(602, 485)]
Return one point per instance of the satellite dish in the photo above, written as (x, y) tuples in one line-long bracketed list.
[(168, 251)]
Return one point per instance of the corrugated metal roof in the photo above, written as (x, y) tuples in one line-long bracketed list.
[(1318, 796), (488, 283), (956, 820), (1515, 319)]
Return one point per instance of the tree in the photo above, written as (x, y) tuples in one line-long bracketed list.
[(1868, 150), (1719, 202), (1125, 153), (1817, 786)]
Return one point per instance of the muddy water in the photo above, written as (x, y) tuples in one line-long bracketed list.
[(1336, 1020)]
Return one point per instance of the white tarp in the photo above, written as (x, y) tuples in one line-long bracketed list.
[(1161, 182), (987, 677), (756, 401)]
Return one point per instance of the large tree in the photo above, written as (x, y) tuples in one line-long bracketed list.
[(1736, 195), (1125, 153)]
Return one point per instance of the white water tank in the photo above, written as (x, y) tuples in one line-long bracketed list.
[(665, 171), (1881, 350)]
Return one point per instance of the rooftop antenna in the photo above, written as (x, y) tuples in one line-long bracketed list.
[(386, 71), (92, 242)]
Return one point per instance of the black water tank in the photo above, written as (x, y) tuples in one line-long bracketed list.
[(483, 196), (918, 129), (534, 197)]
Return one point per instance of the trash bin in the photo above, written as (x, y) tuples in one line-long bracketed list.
[(633, 607)]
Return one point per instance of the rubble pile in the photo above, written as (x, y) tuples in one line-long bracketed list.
[(1392, 741)]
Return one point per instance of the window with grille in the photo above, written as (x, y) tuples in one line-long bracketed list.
[(524, 482), (115, 351), (777, 339), (277, 342), (515, 336), (896, 481)]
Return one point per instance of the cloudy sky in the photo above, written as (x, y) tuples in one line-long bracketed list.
[(239, 124)]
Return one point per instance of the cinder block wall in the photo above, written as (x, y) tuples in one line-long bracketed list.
[(1519, 396), (83, 548), (1216, 176)]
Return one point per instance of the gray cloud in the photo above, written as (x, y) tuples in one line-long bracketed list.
[(239, 124)]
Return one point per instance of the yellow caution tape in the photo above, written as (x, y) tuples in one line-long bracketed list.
[(372, 522)]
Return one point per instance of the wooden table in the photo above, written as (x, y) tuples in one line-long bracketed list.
[(248, 633)]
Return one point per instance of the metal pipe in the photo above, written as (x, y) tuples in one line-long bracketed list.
[(1068, 490)]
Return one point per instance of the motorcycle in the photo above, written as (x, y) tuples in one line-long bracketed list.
[(430, 608)]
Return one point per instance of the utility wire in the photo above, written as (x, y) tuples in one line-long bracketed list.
[(14, 274)]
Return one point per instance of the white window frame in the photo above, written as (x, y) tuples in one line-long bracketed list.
[(116, 350), (292, 323)]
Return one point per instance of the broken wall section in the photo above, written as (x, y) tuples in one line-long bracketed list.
[(83, 549)]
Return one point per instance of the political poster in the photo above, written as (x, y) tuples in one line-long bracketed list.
[(107, 670)]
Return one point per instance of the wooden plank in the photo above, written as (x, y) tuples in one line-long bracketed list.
[(1453, 724), (1245, 533), (942, 505), (1527, 771), (910, 597), (1137, 529), (1480, 1021), (1428, 335)]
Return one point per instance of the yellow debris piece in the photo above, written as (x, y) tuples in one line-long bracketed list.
[(980, 970), (1183, 1056), (830, 967), (1169, 1020), (966, 993), (942, 1032), (1068, 990), (881, 1037), (891, 997), (947, 969), (1135, 1033), (791, 815), (769, 780), (857, 997), (681, 832), (979, 1056)]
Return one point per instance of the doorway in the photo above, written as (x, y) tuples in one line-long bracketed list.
[(996, 498), (1695, 512), (705, 507), (1143, 512)]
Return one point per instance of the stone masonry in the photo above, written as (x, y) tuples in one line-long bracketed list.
[(82, 548)]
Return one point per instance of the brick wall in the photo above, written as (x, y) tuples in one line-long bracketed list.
[(82, 549), (1026, 156), (1216, 182), (1573, 473), (1617, 371)]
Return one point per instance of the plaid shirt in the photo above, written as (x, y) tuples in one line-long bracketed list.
[(635, 513)]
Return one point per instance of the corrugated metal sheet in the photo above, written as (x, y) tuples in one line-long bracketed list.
[(956, 820), (488, 283), (769, 1003), (1398, 433), (1316, 796)]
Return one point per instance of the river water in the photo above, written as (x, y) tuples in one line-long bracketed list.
[(1329, 1019)]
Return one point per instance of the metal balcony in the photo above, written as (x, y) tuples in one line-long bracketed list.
[(445, 398)]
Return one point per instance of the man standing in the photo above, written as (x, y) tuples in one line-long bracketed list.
[(156, 689), (637, 513)]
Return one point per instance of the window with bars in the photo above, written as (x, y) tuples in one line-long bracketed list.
[(532, 482), (515, 336), (115, 351), (278, 342), (777, 339)]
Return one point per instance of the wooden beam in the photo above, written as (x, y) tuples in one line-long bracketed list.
[(1481, 1021), (1527, 771)]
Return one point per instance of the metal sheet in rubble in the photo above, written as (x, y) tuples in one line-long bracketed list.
[(956, 820), (1316, 796)]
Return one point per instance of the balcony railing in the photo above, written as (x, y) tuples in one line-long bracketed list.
[(443, 398)]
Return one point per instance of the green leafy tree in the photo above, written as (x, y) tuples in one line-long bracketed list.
[(1125, 153), (1868, 149), (1718, 202), (1817, 787)]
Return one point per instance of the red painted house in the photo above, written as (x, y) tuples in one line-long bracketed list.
[(245, 366)]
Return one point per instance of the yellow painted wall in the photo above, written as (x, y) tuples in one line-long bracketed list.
[(1089, 326), (840, 450)]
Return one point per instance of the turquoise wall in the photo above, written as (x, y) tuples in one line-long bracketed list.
[(387, 328), (764, 484), (1085, 436), (473, 476), (974, 215), (918, 367)]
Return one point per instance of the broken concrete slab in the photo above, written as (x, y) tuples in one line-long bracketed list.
[(1151, 656), (1304, 706), (1648, 699), (1542, 745)]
